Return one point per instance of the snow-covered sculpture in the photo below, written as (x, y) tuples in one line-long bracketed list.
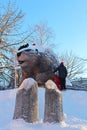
[(37, 65), (37, 62)]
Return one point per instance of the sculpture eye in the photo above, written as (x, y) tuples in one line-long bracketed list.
[(21, 62), (28, 50), (19, 53)]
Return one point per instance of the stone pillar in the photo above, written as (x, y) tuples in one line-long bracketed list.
[(27, 101), (53, 103)]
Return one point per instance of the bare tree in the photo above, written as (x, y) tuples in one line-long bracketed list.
[(11, 34), (74, 64), (43, 34)]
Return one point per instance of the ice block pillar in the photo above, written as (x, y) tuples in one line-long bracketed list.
[(26, 106), (53, 103)]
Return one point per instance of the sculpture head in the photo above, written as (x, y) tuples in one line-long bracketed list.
[(36, 63)]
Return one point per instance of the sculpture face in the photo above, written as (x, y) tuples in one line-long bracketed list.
[(27, 60), (37, 65)]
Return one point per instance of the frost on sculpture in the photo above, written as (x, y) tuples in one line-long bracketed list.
[(36, 62), (37, 66)]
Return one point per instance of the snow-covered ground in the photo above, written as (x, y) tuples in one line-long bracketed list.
[(74, 108)]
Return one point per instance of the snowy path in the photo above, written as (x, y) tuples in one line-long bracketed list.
[(74, 108)]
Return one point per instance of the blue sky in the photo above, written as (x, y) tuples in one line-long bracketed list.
[(67, 18)]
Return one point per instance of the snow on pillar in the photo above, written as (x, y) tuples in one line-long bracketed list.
[(27, 101), (53, 103)]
